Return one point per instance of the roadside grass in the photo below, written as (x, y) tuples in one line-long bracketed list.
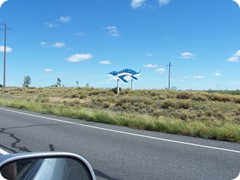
[(198, 114)]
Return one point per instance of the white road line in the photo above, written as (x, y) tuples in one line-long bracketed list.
[(125, 133), (3, 152)]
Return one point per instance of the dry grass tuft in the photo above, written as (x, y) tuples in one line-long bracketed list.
[(214, 115)]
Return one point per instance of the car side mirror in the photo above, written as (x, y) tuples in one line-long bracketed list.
[(46, 166)]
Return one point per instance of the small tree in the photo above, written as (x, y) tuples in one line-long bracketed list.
[(87, 85), (59, 82), (26, 81)]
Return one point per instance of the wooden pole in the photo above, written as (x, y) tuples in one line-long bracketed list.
[(118, 86)]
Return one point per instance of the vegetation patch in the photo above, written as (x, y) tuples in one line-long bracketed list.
[(212, 115)]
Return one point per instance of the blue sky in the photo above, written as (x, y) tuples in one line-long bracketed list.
[(82, 40)]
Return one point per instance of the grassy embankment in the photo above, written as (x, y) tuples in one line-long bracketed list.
[(213, 115)]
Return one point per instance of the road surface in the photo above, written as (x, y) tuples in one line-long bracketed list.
[(120, 152)]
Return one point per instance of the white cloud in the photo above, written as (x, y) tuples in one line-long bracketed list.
[(8, 49), (43, 43), (237, 53), (55, 45), (59, 45), (217, 73), (151, 66), (79, 57), (161, 70), (105, 62), (79, 34), (50, 25), (137, 3), (187, 55), (235, 57), (112, 31), (166, 38), (48, 70), (199, 77), (64, 19), (149, 54), (142, 3), (164, 2)]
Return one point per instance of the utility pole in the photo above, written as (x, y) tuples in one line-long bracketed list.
[(117, 86), (131, 84), (5, 49), (169, 75), (5, 53)]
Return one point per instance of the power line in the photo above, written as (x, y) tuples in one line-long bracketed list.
[(103, 7)]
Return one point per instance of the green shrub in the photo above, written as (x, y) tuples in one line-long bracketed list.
[(114, 90), (183, 95)]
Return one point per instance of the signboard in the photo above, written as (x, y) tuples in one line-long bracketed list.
[(125, 74)]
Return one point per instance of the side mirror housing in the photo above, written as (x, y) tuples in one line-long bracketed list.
[(45, 165)]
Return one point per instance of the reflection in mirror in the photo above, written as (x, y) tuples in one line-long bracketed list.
[(46, 169)]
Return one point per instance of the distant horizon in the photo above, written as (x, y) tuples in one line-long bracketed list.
[(109, 88)]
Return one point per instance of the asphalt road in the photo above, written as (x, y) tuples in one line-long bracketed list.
[(119, 152)]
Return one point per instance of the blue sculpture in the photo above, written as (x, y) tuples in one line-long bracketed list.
[(125, 73)]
